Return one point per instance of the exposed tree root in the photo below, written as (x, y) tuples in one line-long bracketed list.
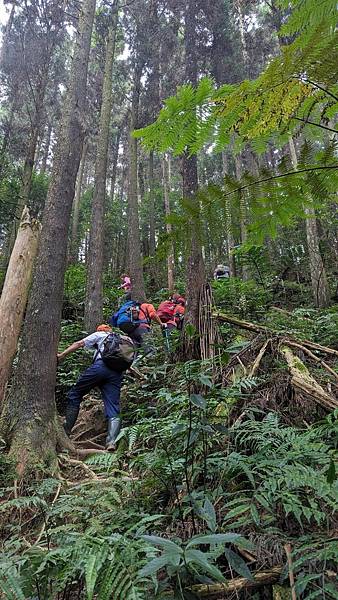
[(237, 584), (65, 460)]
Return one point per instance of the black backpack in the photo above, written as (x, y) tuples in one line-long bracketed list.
[(118, 352)]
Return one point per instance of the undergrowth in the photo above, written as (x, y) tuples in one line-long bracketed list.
[(205, 486)]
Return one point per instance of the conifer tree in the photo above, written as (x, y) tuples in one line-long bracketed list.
[(30, 416)]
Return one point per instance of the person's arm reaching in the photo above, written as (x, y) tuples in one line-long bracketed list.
[(151, 313), (72, 348)]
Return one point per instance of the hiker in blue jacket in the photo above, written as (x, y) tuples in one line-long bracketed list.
[(134, 318)]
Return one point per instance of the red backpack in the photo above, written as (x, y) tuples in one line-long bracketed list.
[(166, 311)]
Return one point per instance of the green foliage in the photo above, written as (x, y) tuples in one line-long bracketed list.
[(245, 298), (259, 109)]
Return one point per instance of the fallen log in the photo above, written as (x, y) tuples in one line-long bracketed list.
[(304, 382), (262, 328), (237, 584)]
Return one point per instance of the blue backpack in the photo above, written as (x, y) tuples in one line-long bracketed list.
[(129, 317)]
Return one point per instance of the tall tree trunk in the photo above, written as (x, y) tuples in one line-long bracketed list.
[(6, 33), (114, 161), (46, 149), (15, 292), (31, 152), (166, 192), (195, 266), (134, 237), (151, 181), (74, 242), (320, 288), (94, 291), (30, 411), (229, 234), (243, 216)]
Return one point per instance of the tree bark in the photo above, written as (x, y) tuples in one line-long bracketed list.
[(30, 411), (151, 181), (134, 236), (94, 291), (74, 242), (195, 266), (243, 211), (166, 192), (15, 293), (45, 155), (30, 156), (320, 288), (229, 233)]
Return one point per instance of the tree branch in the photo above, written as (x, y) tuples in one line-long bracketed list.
[(315, 124), (307, 170)]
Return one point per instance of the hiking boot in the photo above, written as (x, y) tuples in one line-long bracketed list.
[(72, 413), (114, 426)]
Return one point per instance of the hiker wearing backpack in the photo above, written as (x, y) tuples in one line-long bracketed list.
[(221, 272), (134, 318), (126, 287), (171, 312), (113, 354)]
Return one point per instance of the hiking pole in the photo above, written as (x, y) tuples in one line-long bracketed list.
[(166, 337)]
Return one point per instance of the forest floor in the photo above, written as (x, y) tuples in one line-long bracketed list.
[(232, 460)]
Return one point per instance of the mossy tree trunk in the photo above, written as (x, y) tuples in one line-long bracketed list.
[(29, 420)]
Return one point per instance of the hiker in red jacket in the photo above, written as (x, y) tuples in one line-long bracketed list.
[(171, 312)]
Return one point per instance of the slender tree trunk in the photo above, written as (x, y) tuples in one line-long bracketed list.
[(6, 33), (15, 292), (74, 242), (134, 237), (114, 160), (195, 266), (243, 212), (30, 412), (30, 156), (229, 224), (320, 288), (151, 180), (46, 149), (166, 191), (94, 291)]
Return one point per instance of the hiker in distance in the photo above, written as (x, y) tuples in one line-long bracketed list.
[(126, 287), (114, 353), (221, 272)]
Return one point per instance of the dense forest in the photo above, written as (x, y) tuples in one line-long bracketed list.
[(168, 199)]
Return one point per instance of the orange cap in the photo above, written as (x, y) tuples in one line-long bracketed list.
[(103, 328)]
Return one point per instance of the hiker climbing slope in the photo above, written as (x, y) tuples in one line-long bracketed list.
[(113, 354), (135, 318), (171, 312)]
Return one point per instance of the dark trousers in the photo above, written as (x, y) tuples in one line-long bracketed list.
[(109, 383)]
